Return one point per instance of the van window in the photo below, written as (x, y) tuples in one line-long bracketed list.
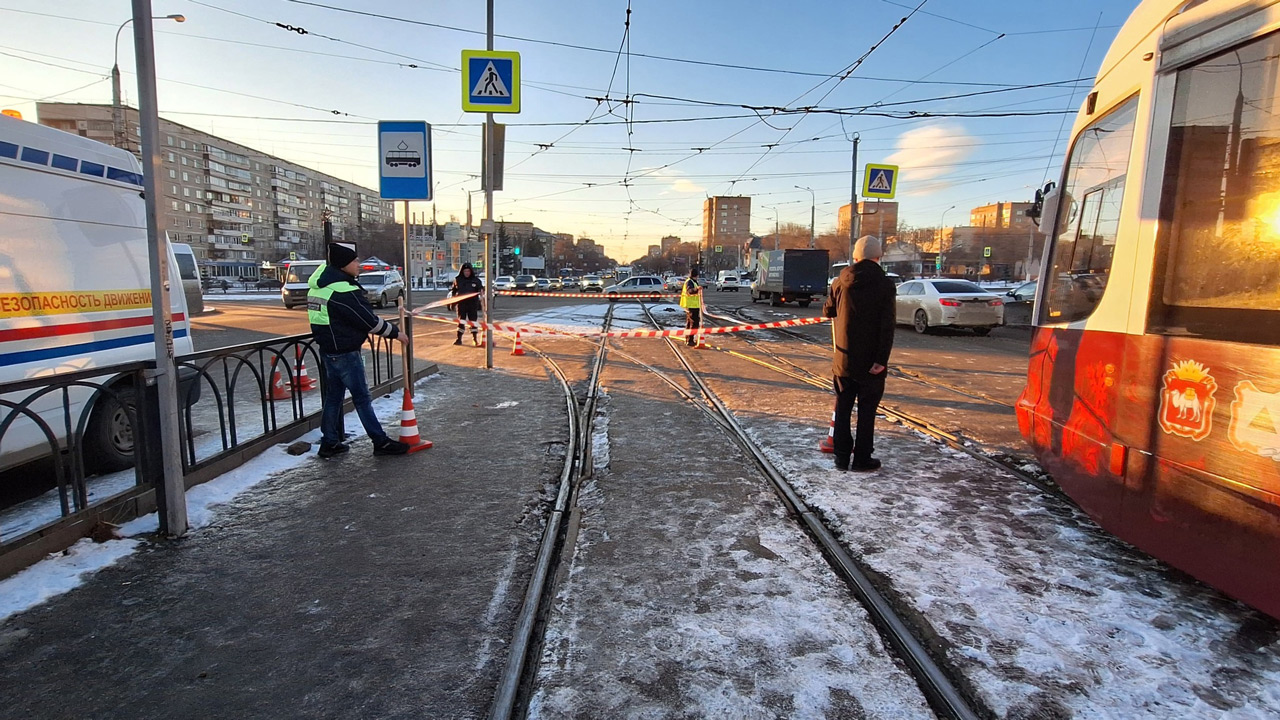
[(1088, 216), (1218, 257), (186, 266), (300, 273)]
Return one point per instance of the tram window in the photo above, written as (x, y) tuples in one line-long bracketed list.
[(1089, 216), (1218, 263)]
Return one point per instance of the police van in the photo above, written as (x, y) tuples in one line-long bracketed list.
[(74, 284)]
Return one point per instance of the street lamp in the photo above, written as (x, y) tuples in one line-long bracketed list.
[(941, 225), (776, 242), (813, 205), (117, 112)]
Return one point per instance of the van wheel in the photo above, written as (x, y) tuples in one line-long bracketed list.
[(804, 303), (108, 438), (921, 322), (774, 301), (982, 331)]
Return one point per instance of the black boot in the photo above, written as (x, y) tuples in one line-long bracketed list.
[(864, 464), (459, 340), (475, 339), (842, 462)]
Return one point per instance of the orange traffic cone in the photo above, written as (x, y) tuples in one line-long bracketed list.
[(409, 426), (278, 391), (700, 343), (302, 381), (828, 443), (518, 347)]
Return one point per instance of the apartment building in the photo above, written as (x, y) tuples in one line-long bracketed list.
[(878, 217), (726, 223), (1001, 215), (236, 206)]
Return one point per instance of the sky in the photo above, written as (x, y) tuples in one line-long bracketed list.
[(620, 137)]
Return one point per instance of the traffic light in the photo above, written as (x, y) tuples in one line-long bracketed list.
[(516, 249)]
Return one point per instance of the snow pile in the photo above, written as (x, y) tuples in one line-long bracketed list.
[(1048, 615), (60, 573), (566, 318)]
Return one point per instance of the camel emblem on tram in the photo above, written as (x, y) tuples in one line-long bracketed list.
[(1186, 401)]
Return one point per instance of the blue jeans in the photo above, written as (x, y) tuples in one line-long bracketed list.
[(343, 372)]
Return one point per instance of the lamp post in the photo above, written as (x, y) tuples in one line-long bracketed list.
[(776, 241), (117, 111), (941, 226), (813, 205)]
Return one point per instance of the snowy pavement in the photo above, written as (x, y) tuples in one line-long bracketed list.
[(1045, 614), (690, 593)]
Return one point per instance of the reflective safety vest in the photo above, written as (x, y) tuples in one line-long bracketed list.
[(690, 300), (318, 297)]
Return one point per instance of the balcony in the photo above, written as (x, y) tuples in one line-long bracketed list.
[(234, 219), (230, 205)]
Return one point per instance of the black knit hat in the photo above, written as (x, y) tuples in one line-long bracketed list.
[(340, 256)]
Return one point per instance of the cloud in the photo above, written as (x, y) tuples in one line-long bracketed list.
[(922, 150), (679, 183)]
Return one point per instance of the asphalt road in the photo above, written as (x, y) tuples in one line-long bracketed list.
[(959, 381)]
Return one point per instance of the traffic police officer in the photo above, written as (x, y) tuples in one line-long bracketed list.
[(341, 319), (691, 301)]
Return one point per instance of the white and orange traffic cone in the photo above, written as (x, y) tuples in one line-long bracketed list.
[(828, 443), (518, 347), (278, 390), (302, 381), (409, 426), (700, 342)]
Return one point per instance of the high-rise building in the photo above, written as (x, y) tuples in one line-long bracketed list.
[(670, 243), (879, 218), (236, 206), (726, 222)]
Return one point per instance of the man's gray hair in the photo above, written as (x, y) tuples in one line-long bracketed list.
[(868, 248)]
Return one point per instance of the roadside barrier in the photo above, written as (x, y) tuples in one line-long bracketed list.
[(540, 330), (613, 296)]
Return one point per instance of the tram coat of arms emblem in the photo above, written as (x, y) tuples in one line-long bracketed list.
[(1186, 401), (1255, 421)]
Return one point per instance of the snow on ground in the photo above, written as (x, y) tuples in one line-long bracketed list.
[(1048, 615), (213, 300), (62, 572)]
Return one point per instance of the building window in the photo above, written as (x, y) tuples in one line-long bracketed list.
[(187, 207), (186, 177), (175, 189), (170, 137), (186, 192), (173, 174), (184, 160), (182, 144), (174, 203)]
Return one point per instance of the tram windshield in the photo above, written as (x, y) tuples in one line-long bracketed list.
[(1089, 216), (1221, 199)]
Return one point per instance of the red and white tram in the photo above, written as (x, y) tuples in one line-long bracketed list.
[(1153, 393)]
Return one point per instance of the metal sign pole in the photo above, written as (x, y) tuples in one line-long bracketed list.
[(854, 217), (488, 210), (406, 307), (172, 488)]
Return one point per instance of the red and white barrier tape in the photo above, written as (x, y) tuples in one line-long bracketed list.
[(612, 296), (541, 330)]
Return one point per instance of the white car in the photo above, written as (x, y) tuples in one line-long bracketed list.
[(544, 285), (925, 304), (571, 283), (592, 283), (504, 282), (729, 282), (641, 284)]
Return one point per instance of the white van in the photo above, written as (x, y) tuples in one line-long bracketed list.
[(190, 274), (74, 282), (729, 280), (295, 288)]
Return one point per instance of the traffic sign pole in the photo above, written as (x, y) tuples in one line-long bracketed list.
[(488, 210), (855, 219), (406, 307)]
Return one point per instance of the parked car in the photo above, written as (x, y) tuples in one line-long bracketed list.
[(504, 282), (217, 284), (728, 282), (526, 282), (925, 304), (543, 284), (382, 287), (1026, 292), (641, 284), (268, 284), (592, 283)]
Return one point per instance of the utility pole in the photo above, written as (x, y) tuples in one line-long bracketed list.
[(855, 220), (813, 206), (171, 489), (489, 250)]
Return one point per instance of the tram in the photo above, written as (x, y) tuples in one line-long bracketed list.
[(1153, 391)]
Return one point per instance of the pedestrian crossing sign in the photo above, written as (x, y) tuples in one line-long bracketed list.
[(880, 181), (490, 81)]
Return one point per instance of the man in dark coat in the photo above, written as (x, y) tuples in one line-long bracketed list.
[(341, 321), (862, 307), (469, 309)]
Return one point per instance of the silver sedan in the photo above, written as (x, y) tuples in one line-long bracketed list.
[(924, 304)]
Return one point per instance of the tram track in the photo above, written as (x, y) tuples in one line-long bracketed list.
[(951, 439), (936, 682), (517, 675)]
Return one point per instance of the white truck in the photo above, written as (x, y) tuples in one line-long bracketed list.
[(74, 284)]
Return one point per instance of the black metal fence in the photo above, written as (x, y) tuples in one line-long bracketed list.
[(83, 447)]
